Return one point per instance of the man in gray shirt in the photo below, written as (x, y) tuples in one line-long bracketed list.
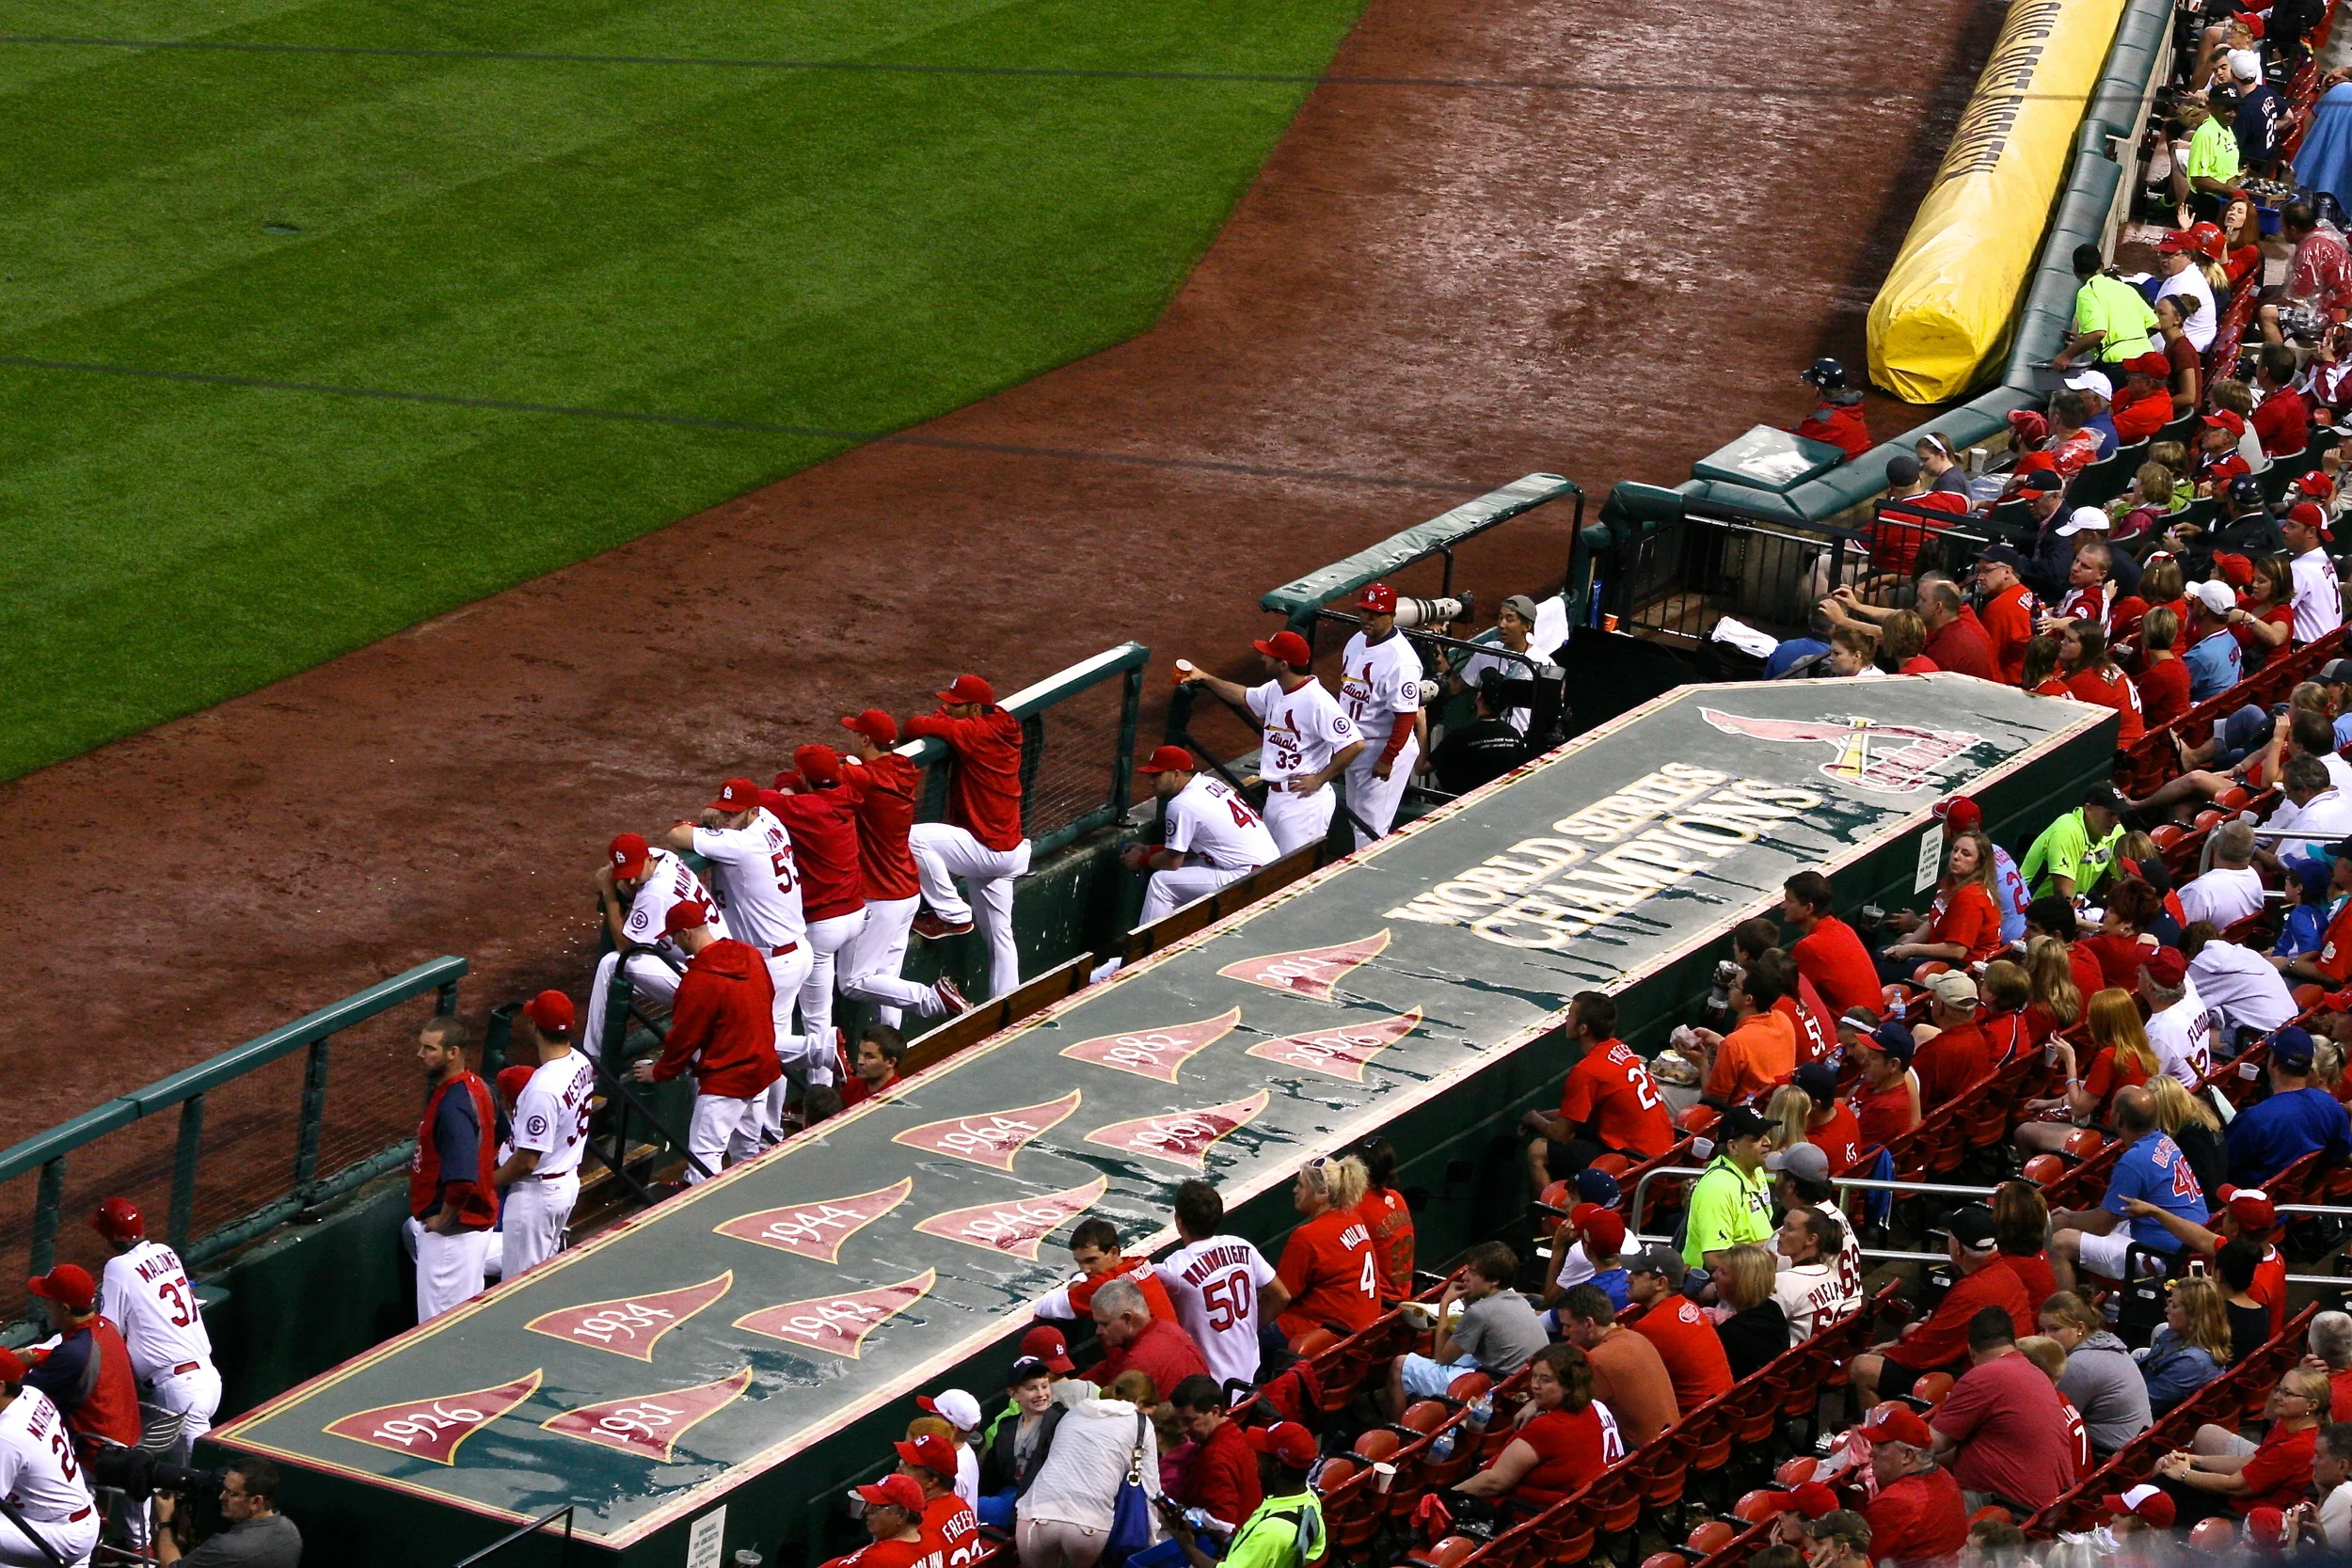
[(1498, 1332), (258, 1535)]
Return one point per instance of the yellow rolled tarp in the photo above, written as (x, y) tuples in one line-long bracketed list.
[(1945, 311)]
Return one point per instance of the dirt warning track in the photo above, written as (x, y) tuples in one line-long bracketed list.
[(1445, 278)]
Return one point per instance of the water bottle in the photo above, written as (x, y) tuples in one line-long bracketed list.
[(1478, 1413), (1442, 1450), (1204, 1524)]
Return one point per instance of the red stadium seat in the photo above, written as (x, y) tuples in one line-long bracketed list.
[(2084, 1142), (1376, 1445), (1314, 1342), (1796, 1472), (1665, 1559), (1424, 1416), (1932, 1387), (1698, 1119), (1468, 1386), (1453, 1551), (2042, 1169), (1614, 1164), (1762, 1504), (1711, 1537), (2217, 1536)]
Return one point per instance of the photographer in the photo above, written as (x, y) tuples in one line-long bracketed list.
[(258, 1535)]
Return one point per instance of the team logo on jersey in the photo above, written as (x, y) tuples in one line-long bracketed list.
[(818, 1229), (1343, 1051), (1860, 748), (990, 1138), (1155, 1053), (1181, 1137), (650, 1426), (433, 1428), (838, 1325), (631, 1325), (1310, 971), (1014, 1226)]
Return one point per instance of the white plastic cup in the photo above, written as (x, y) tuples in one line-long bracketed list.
[(1383, 1475)]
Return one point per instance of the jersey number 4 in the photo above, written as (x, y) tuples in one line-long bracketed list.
[(1243, 815)]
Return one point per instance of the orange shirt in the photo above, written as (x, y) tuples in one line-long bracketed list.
[(2008, 621), (1611, 1087), (1332, 1274), (1761, 1053)]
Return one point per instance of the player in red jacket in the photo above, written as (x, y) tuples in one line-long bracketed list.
[(1837, 419), (823, 819), (982, 840), (881, 786), (722, 1025)]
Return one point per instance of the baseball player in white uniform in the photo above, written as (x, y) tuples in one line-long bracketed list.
[(145, 1291), (538, 1179), (1213, 836), (1380, 693), (1223, 1288), (40, 1474), (760, 886), (637, 884), (1308, 743)]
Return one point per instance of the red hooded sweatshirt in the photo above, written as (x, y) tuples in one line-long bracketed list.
[(984, 794), (723, 1023)]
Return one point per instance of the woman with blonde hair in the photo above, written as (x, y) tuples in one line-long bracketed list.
[(2191, 1348), (1756, 1333), (2217, 1475), (2057, 1000), (1330, 1266), (2122, 1057), (1788, 1111), (2188, 1118), (1963, 925)]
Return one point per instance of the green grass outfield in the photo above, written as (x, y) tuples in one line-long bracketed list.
[(716, 237)]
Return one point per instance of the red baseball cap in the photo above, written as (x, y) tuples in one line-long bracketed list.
[(2253, 1209), (1169, 759), (1959, 812), (2309, 514), (1604, 1231), (552, 1010), (968, 689), (2027, 425), (1813, 1499), (893, 1491), (2315, 481), (875, 725), (1378, 597), (1287, 1441), (684, 915), (787, 783), (1288, 646), (69, 1285), (2266, 1528), (1045, 1343), (736, 795), (2152, 1504), (2177, 239), (818, 764), (513, 1078), (2154, 365), (119, 1219), (935, 1454), (629, 853), (2226, 418), (1895, 1423), (2165, 966), (11, 1367), (2236, 570)]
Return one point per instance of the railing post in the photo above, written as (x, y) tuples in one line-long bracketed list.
[(183, 1161), (305, 1170), (1124, 762), (615, 1003), (45, 1207)]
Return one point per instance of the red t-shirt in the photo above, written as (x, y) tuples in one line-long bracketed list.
[(856, 1091), (1332, 1272), (1840, 1138), (1960, 646), (2270, 1289), (1919, 1520), (883, 795), (2140, 418), (1832, 958), (2119, 958), (1163, 1352), (1384, 1212), (984, 792), (885, 1554), (1611, 1087), (2008, 622), (1950, 1062), (2283, 421), (2252, 650), (2091, 974), (1568, 1453), (2163, 692), (2334, 957), (1813, 1037), (2011, 1433), (2278, 1472), (1965, 914), (1222, 1475), (1080, 1291), (823, 826), (1688, 1344), (2007, 1034), (2105, 1077), (1942, 1341), (2108, 686), (2033, 1273), (951, 1529), (1884, 1115)]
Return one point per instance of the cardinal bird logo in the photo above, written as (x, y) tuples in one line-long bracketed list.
[(1894, 759)]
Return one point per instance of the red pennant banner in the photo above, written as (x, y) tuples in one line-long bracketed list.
[(1181, 1137), (1312, 971), (1341, 1051), (631, 1325), (650, 1426), (990, 1138), (433, 1428), (1156, 1053), (1014, 1227), (818, 1229), (838, 1325)]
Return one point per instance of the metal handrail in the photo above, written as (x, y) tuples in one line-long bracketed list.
[(1641, 1187), (533, 1528)]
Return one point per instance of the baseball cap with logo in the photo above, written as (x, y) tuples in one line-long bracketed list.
[(893, 1491), (874, 724), (1595, 1186), (1378, 599), (1740, 1122), (1168, 759), (2151, 1505), (2225, 418), (1805, 1162), (686, 915), (1045, 1343), (968, 689), (1288, 646), (1287, 1441), (2041, 482), (2002, 555), (2236, 570), (2108, 797), (2165, 966), (1894, 1038), (736, 795), (1959, 812), (2155, 367), (2316, 483), (552, 1010), (1890, 1422), (1027, 1369), (1664, 1261), (1971, 1226), (955, 1407), (2291, 1048), (629, 852), (2086, 519), (818, 764), (935, 1454), (69, 1285)]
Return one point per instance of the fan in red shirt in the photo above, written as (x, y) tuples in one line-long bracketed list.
[(1094, 1246), (982, 841), (1565, 1443), (2276, 1475), (2092, 678), (1388, 1216), (875, 1064), (894, 1517), (2163, 678), (1837, 419), (1956, 639), (1221, 1475), (880, 785), (1827, 951), (1908, 517), (1887, 1103), (723, 1025), (2218, 460), (2144, 405), (2009, 608), (2132, 907), (1685, 1337), (1831, 1125), (1939, 1341), (951, 1532), (1958, 1055), (1135, 1340), (1328, 1264), (1963, 925), (1608, 1102), (2283, 417), (1916, 1517)]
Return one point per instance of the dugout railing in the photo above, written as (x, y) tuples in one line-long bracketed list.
[(254, 1149)]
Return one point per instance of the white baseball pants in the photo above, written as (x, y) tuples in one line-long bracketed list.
[(449, 1269), (192, 1398), (787, 974), (878, 954), (533, 1218), (827, 941), (647, 975), (1299, 819), (1373, 798), (1169, 891), (723, 1129), (73, 1540), (943, 853)]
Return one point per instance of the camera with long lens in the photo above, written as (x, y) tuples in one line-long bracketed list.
[(1431, 613), (141, 1473)]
